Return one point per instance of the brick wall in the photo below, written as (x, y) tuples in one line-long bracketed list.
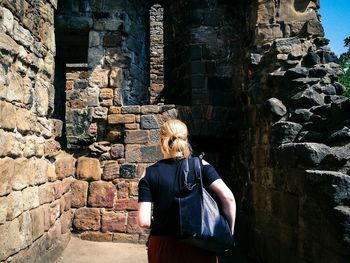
[(35, 175)]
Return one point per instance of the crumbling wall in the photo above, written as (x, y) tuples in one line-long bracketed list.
[(293, 183), (35, 174)]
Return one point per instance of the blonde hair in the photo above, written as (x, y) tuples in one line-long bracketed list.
[(174, 141)]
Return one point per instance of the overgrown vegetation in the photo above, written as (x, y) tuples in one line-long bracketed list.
[(345, 63)]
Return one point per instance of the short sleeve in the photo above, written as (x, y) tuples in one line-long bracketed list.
[(209, 174), (144, 187)]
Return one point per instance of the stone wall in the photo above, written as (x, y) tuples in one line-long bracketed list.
[(105, 189), (156, 53), (35, 175), (293, 179)]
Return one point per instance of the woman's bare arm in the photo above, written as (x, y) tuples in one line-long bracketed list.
[(144, 214), (220, 189)]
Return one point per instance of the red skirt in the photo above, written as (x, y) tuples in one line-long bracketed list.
[(166, 249)]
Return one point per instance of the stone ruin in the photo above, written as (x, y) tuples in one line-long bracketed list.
[(85, 86)]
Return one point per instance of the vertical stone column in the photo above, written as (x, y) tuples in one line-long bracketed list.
[(156, 53)]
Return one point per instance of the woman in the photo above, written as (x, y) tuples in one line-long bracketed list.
[(158, 187)]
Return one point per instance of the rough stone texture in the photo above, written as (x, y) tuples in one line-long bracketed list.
[(88, 169), (29, 217), (101, 194), (79, 193), (113, 222), (87, 219)]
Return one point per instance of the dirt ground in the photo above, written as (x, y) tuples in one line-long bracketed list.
[(81, 251)]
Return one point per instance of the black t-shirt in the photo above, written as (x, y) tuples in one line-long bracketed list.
[(159, 186)]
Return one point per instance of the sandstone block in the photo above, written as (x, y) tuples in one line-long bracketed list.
[(38, 227), (47, 216), (106, 94), (55, 210), (101, 194), (114, 136), (115, 110), (52, 148), (7, 116), (30, 197), (10, 239), (14, 205), (39, 171), (20, 178), (88, 169), (154, 136), (25, 120), (66, 222), (10, 144), (127, 204), (6, 20), (132, 225), (57, 127), (41, 97), (141, 137), (125, 238), (137, 154), (6, 174), (66, 202), (8, 44), (132, 109), (46, 193), (149, 109), (116, 77), (25, 229), (87, 219), (99, 77), (123, 189), (110, 170), (65, 166), (51, 173), (34, 146), (121, 118), (44, 127), (133, 188), (113, 222), (106, 103), (79, 193), (117, 150), (3, 209), (149, 122), (128, 171), (96, 236), (132, 126)]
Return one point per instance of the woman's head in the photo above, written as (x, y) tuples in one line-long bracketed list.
[(174, 142)]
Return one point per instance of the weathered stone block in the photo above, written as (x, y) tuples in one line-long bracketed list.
[(38, 227), (14, 205), (6, 20), (106, 93), (285, 131), (99, 113), (10, 145), (142, 154), (149, 109), (65, 165), (125, 238), (30, 197), (66, 222), (39, 171), (133, 153), (113, 222), (7, 116), (132, 126), (101, 194), (126, 204), (121, 118), (96, 236), (88, 169), (25, 120), (116, 77), (52, 148), (46, 193), (3, 209), (10, 239), (99, 77), (133, 109), (79, 193), (140, 137), (115, 110), (128, 171), (110, 170), (277, 107), (33, 146), (149, 122), (117, 150), (66, 202), (123, 189), (7, 169), (132, 225), (133, 188), (55, 211), (87, 219)]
